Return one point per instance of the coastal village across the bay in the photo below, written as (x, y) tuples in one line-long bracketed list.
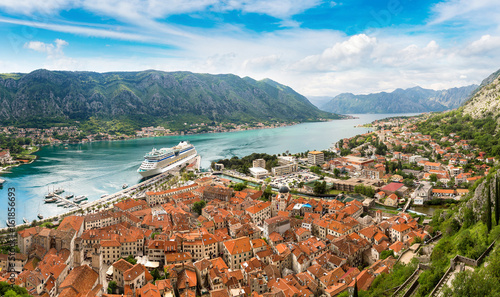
[(321, 223)]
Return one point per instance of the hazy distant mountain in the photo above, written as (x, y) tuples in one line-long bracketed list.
[(319, 101), (415, 99), (147, 96)]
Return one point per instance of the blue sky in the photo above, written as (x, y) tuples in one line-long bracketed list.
[(319, 48)]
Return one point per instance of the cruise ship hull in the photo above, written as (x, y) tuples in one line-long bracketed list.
[(157, 171)]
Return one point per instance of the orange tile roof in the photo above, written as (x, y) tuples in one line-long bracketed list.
[(129, 203), (187, 277), (443, 191), (164, 284), (136, 271), (275, 237), (219, 264), (176, 257), (79, 281), (149, 290), (400, 227), (27, 232), (258, 207), (301, 231), (71, 222), (172, 190), (315, 152), (110, 243), (257, 243), (122, 265), (238, 246), (397, 246)]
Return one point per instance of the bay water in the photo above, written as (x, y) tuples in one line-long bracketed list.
[(102, 167)]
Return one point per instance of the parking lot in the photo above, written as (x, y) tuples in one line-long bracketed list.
[(293, 178)]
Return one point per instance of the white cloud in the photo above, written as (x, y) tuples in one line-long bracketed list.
[(84, 30), (413, 55), (154, 9), (54, 50), (314, 62), (56, 60), (486, 44), (477, 10), (262, 63), (346, 54), (282, 9), (42, 7)]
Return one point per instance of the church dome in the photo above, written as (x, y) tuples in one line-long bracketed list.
[(284, 189)]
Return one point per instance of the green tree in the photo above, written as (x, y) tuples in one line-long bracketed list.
[(433, 177), (239, 186), (156, 274), (11, 293), (472, 283), (365, 190), (267, 193), (488, 209), (112, 287), (130, 259), (469, 219), (315, 169), (319, 187), (385, 254), (497, 200), (198, 206)]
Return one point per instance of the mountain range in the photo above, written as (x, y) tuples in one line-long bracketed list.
[(415, 99), (149, 97)]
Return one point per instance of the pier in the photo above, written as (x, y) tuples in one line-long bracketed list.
[(135, 192), (60, 198)]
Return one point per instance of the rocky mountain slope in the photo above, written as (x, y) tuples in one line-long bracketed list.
[(486, 99), (415, 99), (147, 96)]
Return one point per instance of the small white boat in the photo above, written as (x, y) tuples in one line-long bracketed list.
[(25, 221), (124, 186), (80, 198), (59, 190), (70, 196), (50, 200), (104, 195)]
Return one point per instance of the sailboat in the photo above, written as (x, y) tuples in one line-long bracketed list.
[(39, 214), (49, 193)]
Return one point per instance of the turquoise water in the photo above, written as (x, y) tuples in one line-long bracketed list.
[(103, 167)]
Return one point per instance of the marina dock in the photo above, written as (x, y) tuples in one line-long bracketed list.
[(134, 191), (60, 198)]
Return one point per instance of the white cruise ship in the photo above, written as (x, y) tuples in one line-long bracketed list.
[(165, 159)]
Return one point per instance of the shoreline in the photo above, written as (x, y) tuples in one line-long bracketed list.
[(187, 135), (156, 136), (111, 198), (20, 163)]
